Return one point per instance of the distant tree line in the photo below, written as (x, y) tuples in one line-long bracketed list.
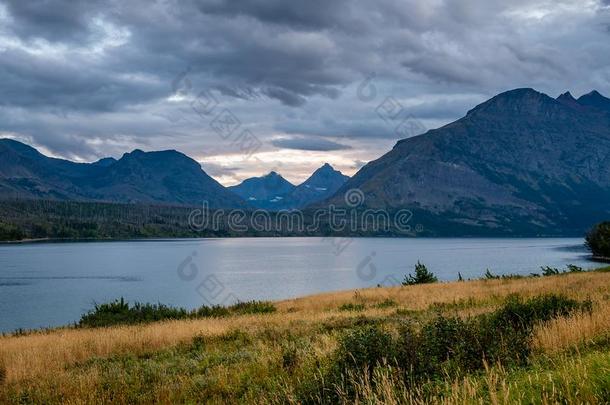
[(40, 219)]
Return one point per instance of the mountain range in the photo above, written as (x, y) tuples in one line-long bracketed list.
[(519, 163), (273, 192), (165, 177)]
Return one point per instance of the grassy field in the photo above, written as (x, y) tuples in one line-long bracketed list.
[(340, 347)]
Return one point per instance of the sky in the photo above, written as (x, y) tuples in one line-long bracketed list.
[(250, 86)]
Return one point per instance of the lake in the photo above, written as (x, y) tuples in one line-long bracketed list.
[(52, 284)]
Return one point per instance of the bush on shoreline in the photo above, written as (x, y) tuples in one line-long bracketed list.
[(120, 312), (554, 271), (422, 276), (598, 240)]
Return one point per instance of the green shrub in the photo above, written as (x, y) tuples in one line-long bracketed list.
[(351, 307), (215, 311), (368, 345), (449, 345), (552, 271), (456, 345), (549, 271), (508, 330), (252, 307), (490, 276), (363, 346), (442, 347), (521, 314), (240, 308), (598, 239), (120, 312), (422, 276), (575, 269)]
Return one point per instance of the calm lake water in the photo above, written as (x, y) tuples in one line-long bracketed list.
[(51, 284)]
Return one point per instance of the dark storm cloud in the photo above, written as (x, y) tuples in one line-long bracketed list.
[(339, 129), (317, 14), (288, 51), (308, 143), (88, 77), (223, 50), (63, 86), (54, 20), (287, 97), (365, 120)]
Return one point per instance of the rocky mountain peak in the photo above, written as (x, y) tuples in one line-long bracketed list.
[(272, 174), (325, 172), (515, 101), (567, 96), (595, 100), (568, 100)]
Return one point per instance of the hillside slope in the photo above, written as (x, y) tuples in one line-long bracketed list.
[(167, 177), (521, 162)]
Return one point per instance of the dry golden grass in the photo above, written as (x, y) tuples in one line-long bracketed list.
[(47, 353), (562, 333), (420, 297), (43, 358)]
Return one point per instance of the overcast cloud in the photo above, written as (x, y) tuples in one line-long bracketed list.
[(88, 79)]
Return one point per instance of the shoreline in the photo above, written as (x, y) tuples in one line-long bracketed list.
[(26, 240), (161, 238), (321, 296)]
